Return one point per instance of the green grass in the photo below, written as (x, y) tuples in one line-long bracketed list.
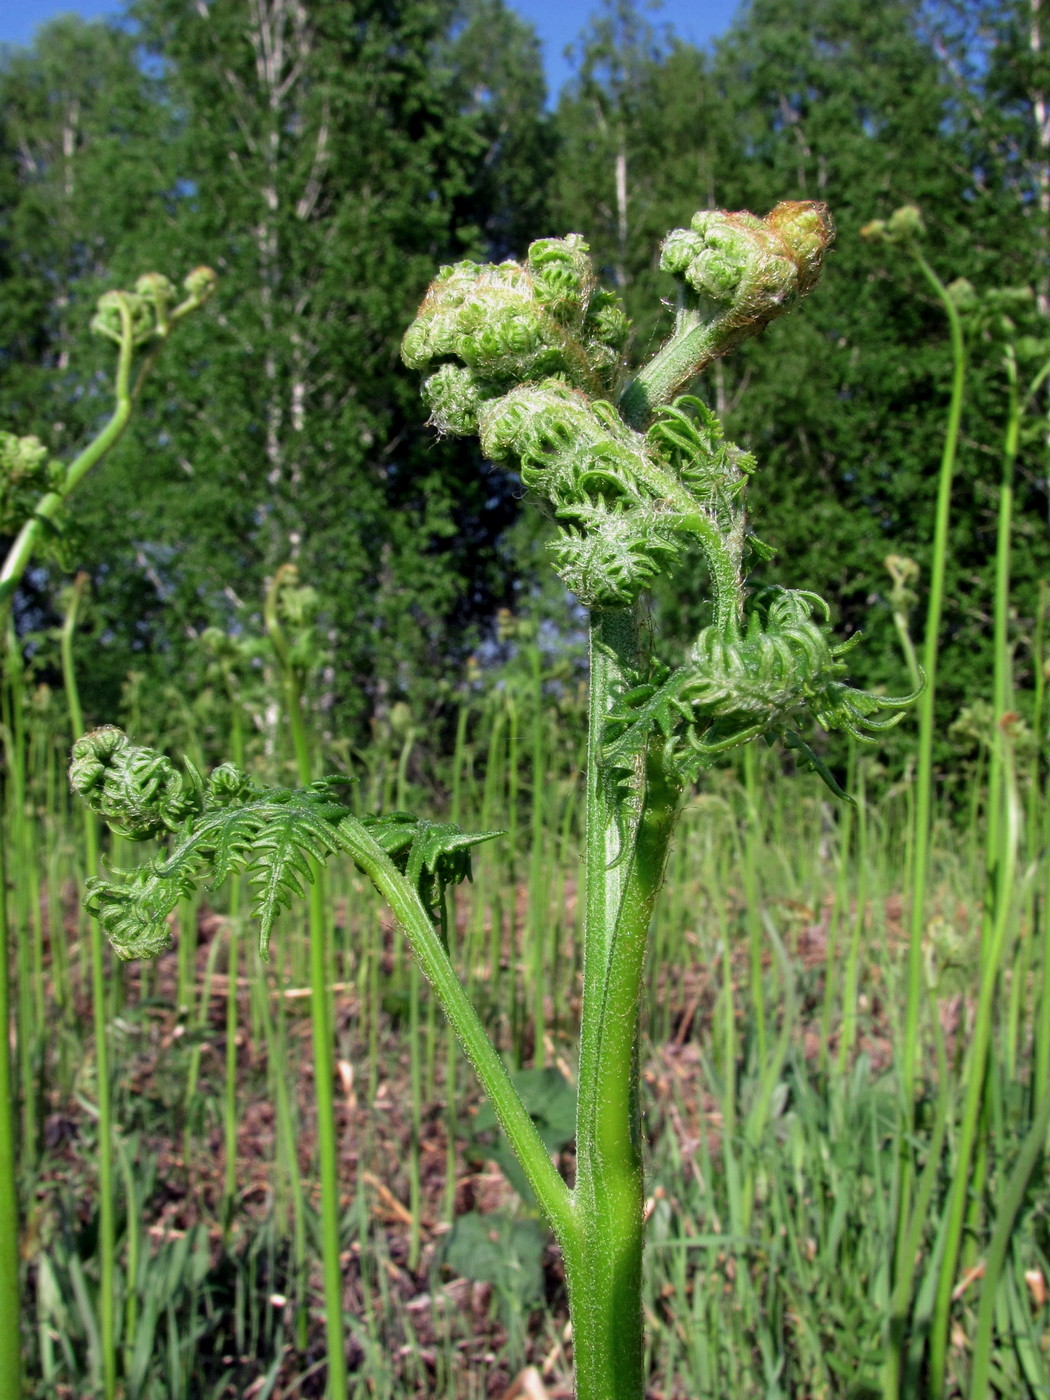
[(776, 1013)]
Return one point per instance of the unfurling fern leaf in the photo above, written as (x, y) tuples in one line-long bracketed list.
[(433, 855), (278, 836), (783, 668)]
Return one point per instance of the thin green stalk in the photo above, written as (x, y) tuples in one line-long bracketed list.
[(234, 936), (451, 1095), (131, 1289), (326, 1144), (415, 1182), (1002, 702), (934, 612), (106, 1204), (10, 1305), (1001, 683), (538, 865), (753, 920), (494, 766), (837, 918), (27, 1033), (848, 1032), (426, 944), (1011, 1199), (1036, 829), (915, 1213), (106, 1208), (275, 1032), (997, 926), (459, 758), (193, 1071), (229, 1103), (322, 1030), (924, 773), (185, 993)]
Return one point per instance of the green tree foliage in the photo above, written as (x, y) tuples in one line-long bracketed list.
[(328, 159), (497, 59), (850, 103), (326, 156), (79, 158)]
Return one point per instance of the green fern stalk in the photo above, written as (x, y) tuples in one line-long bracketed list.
[(1003, 837), (1038, 825), (29, 1028), (904, 230), (1011, 1199), (995, 935), (107, 1226), (229, 1101), (320, 1016), (10, 1303)]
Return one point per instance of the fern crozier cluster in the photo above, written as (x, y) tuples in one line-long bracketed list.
[(742, 271), (27, 471), (530, 358), (153, 307), (484, 328)]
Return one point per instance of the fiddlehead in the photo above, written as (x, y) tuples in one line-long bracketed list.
[(34, 489), (509, 324), (153, 308), (735, 273), (27, 472)]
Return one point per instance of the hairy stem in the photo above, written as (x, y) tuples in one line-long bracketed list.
[(627, 841), (670, 370), (722, 567), (425, 941)]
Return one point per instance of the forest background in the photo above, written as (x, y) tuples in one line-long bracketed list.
[(325, 157)]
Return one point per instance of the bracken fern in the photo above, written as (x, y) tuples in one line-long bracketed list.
[(638, 481)]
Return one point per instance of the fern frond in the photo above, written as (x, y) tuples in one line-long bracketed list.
[(277, 836), (688, 436), (612, 550), (296, 831), (783, 668), (134, 910)]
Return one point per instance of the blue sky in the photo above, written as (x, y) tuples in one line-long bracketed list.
[(558, 24)]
